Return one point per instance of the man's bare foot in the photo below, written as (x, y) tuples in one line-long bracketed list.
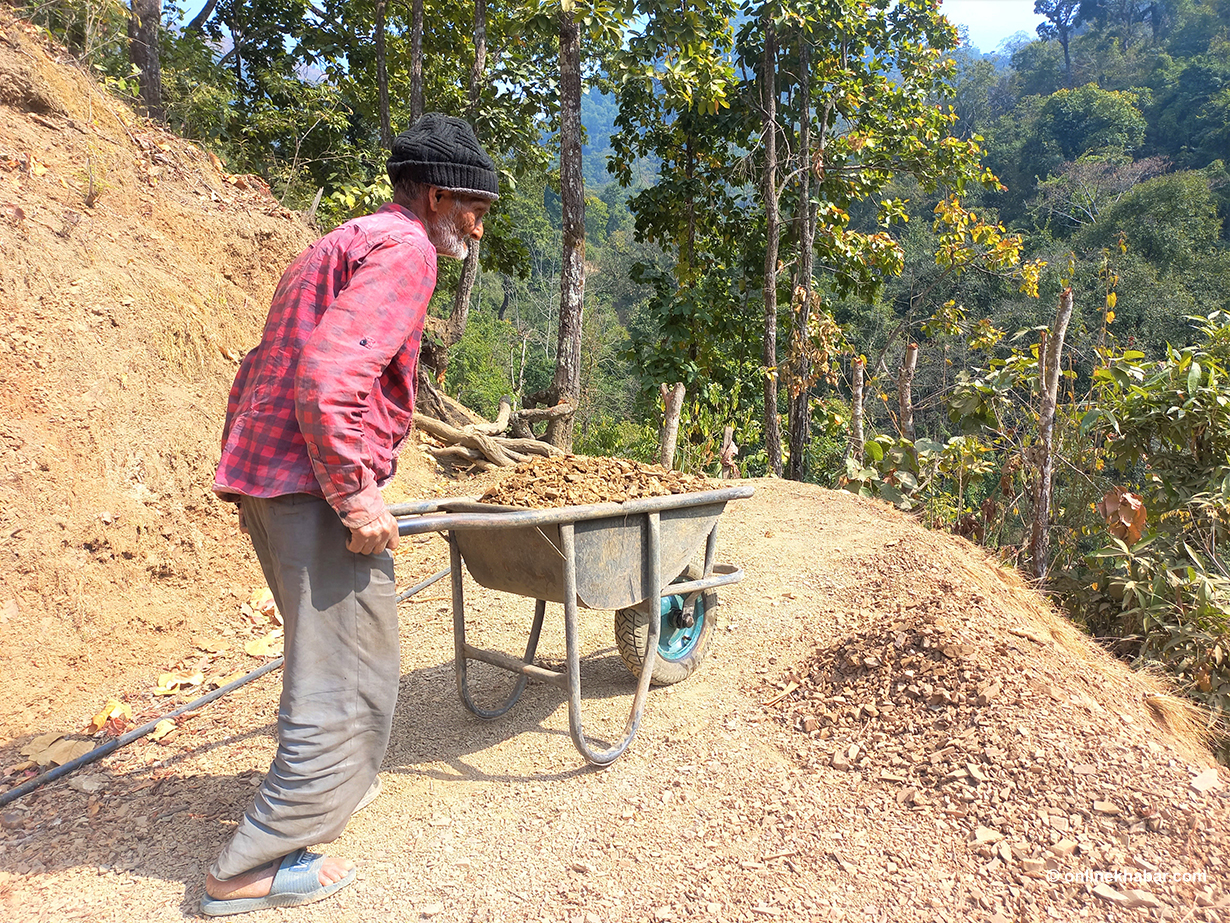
[(258, 881)]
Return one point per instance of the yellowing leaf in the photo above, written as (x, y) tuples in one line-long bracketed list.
[(269, 645), (113, 709), (219, 681), (1124, 513), (171, 683), (212, 645), (1111, 299), (162, 729), (262, 603)]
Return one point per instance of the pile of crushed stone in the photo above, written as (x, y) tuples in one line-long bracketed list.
[(578, 480), (1045, 784)]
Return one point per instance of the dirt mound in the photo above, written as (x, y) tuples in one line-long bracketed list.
[(904, 691), (578, 480), (136, 272), (969, 701)]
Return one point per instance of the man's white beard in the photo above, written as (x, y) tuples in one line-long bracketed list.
[(446, 237)]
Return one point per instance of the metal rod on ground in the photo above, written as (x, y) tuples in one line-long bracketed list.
[(125, 739), (406, 594)]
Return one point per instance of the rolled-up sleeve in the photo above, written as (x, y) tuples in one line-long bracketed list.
[(381, 309)]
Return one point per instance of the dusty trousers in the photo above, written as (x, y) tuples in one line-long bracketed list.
[(339, 681)]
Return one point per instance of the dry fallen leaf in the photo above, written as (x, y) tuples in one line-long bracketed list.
[(40, 743), (89, 784), (113, 709), (212, 645), (219, 681), (262, 603), (59, 751), (269, 645), (162, 729), (171, 683)]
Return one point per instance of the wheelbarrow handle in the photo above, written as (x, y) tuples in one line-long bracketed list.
[(436, 515)]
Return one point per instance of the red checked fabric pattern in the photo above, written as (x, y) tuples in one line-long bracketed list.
[(325, 401)]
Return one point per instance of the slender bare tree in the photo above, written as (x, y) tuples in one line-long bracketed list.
[(1050, 355), (768, 83)]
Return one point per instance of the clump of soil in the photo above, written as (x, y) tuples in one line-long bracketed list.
[(577, 480)]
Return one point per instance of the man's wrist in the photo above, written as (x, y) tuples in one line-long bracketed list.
[(360, 508)]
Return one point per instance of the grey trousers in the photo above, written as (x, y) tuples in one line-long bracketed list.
[(339, 682)]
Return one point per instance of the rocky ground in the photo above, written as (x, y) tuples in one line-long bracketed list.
[(888, 728)]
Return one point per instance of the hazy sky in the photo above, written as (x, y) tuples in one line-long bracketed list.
[(992, 21)]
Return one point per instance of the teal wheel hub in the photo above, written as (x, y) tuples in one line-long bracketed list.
[(678, 638)]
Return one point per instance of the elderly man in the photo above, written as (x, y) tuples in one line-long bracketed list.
[(314, 424)]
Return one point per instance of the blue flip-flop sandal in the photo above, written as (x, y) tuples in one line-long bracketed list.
[(297, 882)]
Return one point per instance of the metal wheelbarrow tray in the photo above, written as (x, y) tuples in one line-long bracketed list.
[(619, 556)]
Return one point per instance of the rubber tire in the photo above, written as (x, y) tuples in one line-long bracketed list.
[(632, 637)]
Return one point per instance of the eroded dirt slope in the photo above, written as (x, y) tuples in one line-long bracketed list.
[(134, 273)]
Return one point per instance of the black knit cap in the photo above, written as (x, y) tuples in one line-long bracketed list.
[(442, 150)]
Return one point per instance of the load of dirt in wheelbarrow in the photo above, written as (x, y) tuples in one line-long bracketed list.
[(578, 480)]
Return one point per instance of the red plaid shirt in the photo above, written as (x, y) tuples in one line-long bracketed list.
[(325, 401)]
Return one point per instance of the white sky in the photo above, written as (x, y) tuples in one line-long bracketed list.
[(992, 21)]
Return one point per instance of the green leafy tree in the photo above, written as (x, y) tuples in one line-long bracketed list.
[(1061, 18), (1170, 421)]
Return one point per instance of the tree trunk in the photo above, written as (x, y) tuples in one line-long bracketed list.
[(768, 83), (480, 56), (905, 393), (199, 20), (800, 391), (506, 284), (672, 405), (143, 27), (567, 382), (469, 272), (1050, 355), (857, 439), (382, 77), (730, 452), (416, 61), (236, 46)]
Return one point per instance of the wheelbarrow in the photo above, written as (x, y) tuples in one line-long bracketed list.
[(632, 557)]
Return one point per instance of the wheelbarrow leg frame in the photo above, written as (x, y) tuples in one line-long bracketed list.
[(571, 679)]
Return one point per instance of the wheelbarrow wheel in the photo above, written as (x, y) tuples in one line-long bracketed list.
[(681, 646)]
